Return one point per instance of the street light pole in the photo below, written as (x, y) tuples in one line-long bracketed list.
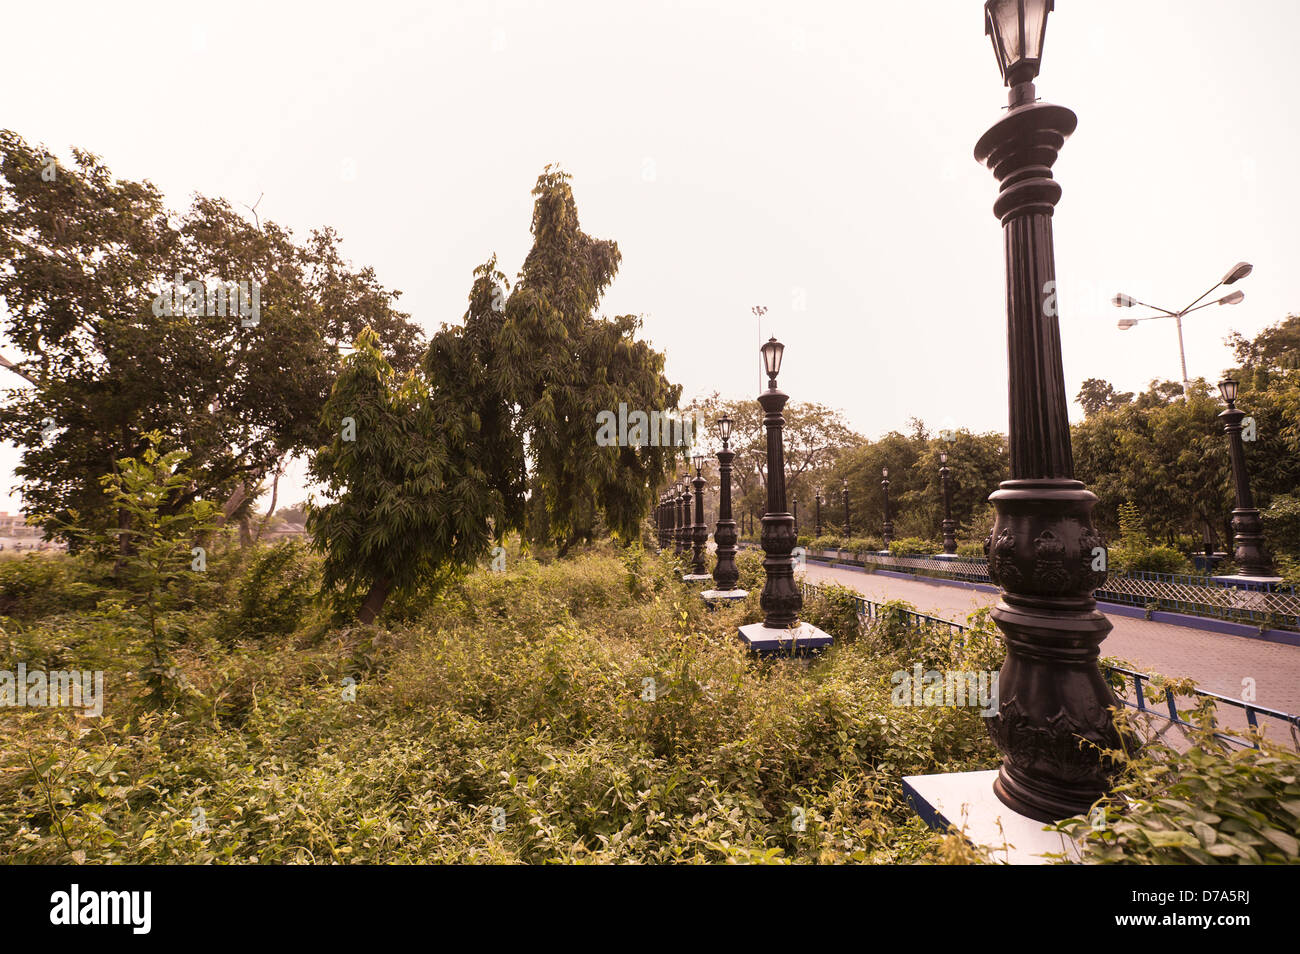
[(1054, 705), (699, 532), (819, 513), (949, 525), (1248, 550), (725, 574), (887, 528), (844, 492)]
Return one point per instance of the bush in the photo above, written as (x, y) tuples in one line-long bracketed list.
[(970, 549), (1208, 805), (1155, 559), (39, 584), (910, 545), (275, 590), (1282, 525)]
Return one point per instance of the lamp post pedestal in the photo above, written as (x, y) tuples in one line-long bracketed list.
[(1248, 549)]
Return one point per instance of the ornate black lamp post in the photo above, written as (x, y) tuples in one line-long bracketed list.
[(1248, 550), (887, 528), (683, 501), (844, 492), (949, 525), (819, 513), (796, 518), (725, 574), (1043, 549), (698, 532), (780, 632)]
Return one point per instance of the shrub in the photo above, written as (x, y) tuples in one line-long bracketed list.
[(275, 591), (38, 584), (970, 549), (910, 545), (1282, 525), (1209, 804)]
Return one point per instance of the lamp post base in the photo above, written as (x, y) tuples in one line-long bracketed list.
[(697, 578), (802, 639)]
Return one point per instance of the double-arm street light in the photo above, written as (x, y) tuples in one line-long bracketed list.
[(1053, 716), (1234, 274), (1248, 550)]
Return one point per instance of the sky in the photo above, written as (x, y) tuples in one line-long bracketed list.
[(812, 157)]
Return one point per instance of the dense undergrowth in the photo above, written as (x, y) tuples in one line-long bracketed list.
[(585, 710)]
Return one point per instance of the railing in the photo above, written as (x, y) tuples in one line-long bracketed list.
[(1277, 607), (870, 611)]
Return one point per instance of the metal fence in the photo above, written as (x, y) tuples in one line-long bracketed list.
[(1275, 608), (1120, 677)]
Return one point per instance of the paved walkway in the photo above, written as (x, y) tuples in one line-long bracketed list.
[(1217, 662)]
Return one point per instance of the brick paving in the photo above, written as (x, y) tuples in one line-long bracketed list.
[(1216, 661)]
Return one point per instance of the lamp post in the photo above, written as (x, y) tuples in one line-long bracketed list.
[(681, 502), (1233, 275), (844, 491), (781, 632), (1248, 550), (1043, 550), (795, 512), (949, 525), (725, 574), (699, 532), (887, 528), (819, 513)]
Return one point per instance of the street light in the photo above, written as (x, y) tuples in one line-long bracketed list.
[(819, 513), (699, 532), (1248, 550), (683, 501), (887, 527), (949, 525), (1054, 706), (781, 599), (1233, 275), (844, 491), (725, 574)]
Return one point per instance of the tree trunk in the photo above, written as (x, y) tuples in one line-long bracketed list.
[(374, 601)]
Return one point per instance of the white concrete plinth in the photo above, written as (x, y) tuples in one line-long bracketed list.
[(724, 596), (698, 578), (1252, 582), (946, 557), (799, 640), (965, 801)]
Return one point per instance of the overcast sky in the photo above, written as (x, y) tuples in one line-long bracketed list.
[(812, 157)]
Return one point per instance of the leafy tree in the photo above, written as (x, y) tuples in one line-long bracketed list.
[(408, 499), (537, 366), (1097, 395), (83, 257)]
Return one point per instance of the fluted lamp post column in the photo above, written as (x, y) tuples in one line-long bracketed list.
[(1253, 561), (949, 525), (887, 527), (780, 633), (1043, 550), (725, 574), (679, 518), (819, 514)]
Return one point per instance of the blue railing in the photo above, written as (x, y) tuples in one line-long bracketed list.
[(870, 611)]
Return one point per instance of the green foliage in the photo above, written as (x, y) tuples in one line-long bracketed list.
[(84, 256), (37, 584), (1204, 803), (1282, 525), (1135, 551), (523, 691), (407, 496), (913, 545), (274, 592)]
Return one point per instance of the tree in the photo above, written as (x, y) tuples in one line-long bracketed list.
[(83, 260), (1096, 395), (408, 498), (537, 366)]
